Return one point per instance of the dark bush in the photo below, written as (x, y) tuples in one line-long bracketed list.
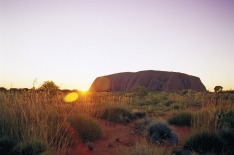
[(136, 114), (87, 128), (160, 133), (180, 151), (119, 115), (6, 145), (181, 119), (31, 147), (228, 137), (205, 142)]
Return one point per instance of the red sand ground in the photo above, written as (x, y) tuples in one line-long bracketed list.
[(115, 134)]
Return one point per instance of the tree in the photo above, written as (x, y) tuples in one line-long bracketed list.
[(218, 88), (3, 89), (49, 86)]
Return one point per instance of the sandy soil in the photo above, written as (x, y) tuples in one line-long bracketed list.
[(114, 135)]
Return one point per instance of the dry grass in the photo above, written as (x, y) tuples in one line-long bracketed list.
[(29, 116), (144, 148), (34, 115)]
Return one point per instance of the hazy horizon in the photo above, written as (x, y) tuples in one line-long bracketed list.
[(72, 42)]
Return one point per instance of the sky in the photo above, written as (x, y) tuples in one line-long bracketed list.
[(71, 42)]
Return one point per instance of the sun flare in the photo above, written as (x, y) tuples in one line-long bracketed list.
[(71, 97)]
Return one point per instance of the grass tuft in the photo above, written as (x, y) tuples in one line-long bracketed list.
[(87, 128), (144, 148), (181, 119)]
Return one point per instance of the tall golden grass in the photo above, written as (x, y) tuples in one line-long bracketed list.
[(27, 116), (41, 115)]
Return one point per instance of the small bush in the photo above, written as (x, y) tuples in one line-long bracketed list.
[(168, 103), (119, 115), (205, 142), (181, 119), (140, 91), (32, 147), (87, 128), (161, 133), (6, 145)]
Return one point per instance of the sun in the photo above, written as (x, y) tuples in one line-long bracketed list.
[(84, 92)]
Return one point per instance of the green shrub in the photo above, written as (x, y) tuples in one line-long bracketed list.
[(160, 133), (31, 147), (227, 119), (116, 114), (181, 119), (87, 128), (205, 142)]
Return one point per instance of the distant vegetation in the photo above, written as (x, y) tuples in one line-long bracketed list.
[(33, 120), (117, 114), (49, 86)]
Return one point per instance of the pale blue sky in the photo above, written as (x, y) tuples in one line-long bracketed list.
[(72, 42)]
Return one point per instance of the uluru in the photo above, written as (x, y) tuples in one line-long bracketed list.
[(150, 79)]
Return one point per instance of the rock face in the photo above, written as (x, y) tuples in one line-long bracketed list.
[(152, 80)]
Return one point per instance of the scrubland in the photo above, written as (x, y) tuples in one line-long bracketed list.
[(41, 122)]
